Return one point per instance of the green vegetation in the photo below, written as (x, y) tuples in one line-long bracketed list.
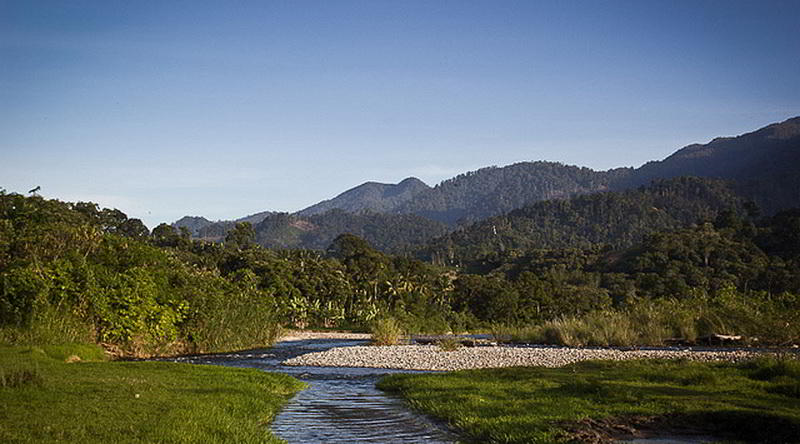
[(491, 191), (660, 321), (44, 399), (386, 232), (387, 331), (753, 402), (75, 273), (449, 343), (619, 219)]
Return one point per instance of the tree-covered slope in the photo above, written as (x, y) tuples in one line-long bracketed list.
[(764, 165), (615, 218), (371, 196), (491, 191), (386, 232)]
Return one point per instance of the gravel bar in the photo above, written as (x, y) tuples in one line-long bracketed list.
[(432, 357)]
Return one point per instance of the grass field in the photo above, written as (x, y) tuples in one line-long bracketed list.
[(45, 399), (753, 402)]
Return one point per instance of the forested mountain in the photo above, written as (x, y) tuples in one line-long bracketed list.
[(764, 165), (386, 232), (616, 218), (491, 191), (372, 196)]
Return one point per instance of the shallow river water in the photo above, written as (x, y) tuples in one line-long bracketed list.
[(341, 405)]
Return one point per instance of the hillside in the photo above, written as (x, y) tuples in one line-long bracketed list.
[(386, 232), (491, 191), (192, 223), (763, 164), (202, 228), (616, 218), (372, 196)]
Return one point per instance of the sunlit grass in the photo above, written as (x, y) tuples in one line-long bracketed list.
[(91, 401), (755, 402)]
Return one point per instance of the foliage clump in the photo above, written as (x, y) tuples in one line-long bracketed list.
[(387, 331)]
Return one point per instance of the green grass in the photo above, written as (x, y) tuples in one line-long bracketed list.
[(44, 399), (754, 402)]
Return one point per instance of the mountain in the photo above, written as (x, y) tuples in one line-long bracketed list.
[(764, 165), (495, 190), (386, 232), (372, 196), (256, 218), (192, 223), (619, 219)]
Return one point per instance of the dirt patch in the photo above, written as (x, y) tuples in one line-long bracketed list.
[(610, 430)]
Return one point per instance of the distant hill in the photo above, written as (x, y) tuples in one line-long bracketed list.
[(192, 223), (386, 232), (495, 190), (619, 219), (202, 228), (257, 217), (372, 196), (764, 165)]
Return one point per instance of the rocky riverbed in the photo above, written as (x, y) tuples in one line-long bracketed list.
[(433, 357)]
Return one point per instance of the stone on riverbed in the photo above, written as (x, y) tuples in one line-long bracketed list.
[(431, 357)]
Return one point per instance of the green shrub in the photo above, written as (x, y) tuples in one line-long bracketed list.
[(449, 343), (608, 328), (387, 331)]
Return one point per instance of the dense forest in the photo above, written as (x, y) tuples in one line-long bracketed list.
[(75, 272), (491, 191), (386, 232), (617, 219)]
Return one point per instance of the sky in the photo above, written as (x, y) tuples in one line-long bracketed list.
[(227, 108)]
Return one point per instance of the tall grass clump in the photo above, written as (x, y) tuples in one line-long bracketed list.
[(449, 343), (387, 331), (601, 328)]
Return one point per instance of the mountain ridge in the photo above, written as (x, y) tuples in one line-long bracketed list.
[(373, 196), (762, 166)]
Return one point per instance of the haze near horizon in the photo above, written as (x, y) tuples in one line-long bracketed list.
[(223, 110)]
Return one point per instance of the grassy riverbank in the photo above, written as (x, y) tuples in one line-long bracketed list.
[(753, 402), (45, 399)]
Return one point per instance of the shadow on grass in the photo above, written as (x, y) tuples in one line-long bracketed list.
[(734, 425)]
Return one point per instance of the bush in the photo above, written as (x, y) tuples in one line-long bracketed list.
[(449, 343), (387, 331)]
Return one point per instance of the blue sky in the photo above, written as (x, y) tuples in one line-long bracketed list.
[(227, 108)]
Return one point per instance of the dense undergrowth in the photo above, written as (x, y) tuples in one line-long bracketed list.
[(752, 402)]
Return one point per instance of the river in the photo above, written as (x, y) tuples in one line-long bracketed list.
[(341, 405)]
